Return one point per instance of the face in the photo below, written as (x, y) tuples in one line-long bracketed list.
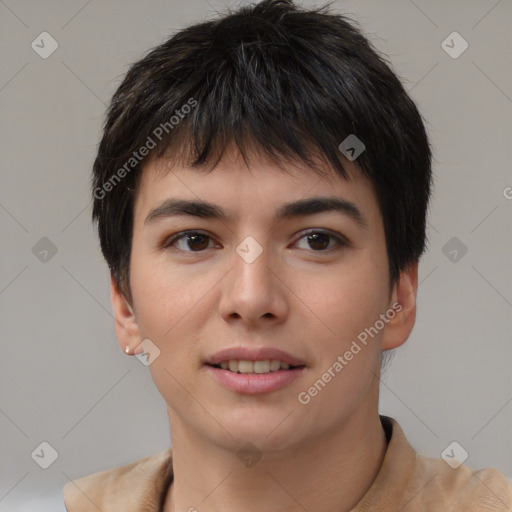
[(302, 288)]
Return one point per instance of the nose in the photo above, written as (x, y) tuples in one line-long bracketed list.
[(253, 292)]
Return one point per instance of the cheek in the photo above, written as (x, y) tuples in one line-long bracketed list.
[(347, 302), (170, 304), (173, 305), (164, 294), (347, 298)]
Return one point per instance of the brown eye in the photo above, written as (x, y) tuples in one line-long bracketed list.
[(320, 241), (189, 241)]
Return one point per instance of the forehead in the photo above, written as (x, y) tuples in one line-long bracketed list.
[(257, 184)]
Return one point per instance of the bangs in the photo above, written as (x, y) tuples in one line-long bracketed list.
[(260, 90), (192, 147)]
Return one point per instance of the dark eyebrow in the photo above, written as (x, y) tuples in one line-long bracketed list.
[(172, 207), (300, 208), (314, 205)]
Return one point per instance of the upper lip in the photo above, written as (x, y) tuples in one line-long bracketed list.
[(253, 354)]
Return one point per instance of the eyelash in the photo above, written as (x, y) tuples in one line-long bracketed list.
[(340, 240)]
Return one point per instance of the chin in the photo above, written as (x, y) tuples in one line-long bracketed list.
[(268, 429)]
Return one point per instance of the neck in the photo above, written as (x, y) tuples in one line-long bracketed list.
[(331, 472)]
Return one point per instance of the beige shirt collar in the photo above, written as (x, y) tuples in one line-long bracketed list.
[(406, 481)]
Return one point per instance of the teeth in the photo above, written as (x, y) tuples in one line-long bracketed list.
[(275, 365), (242, 366), (245, 366), (261, 366)]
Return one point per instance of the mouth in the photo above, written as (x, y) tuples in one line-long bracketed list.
[(259, 367), (254, 371)]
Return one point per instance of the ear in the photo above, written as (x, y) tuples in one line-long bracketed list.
[(125, 324), (403, 302)]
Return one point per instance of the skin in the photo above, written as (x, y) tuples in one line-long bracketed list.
[(308, 302)]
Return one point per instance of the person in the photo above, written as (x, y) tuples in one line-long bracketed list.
[(261, 191)]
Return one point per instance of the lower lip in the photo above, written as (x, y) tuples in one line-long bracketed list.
[(254, 383)]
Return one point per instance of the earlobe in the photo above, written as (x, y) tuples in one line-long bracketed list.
[(400, 326), (125, 323)]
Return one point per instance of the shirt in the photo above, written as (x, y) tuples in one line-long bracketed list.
[(406, 482)]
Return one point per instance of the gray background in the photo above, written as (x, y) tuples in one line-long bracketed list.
[(63, 378)]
